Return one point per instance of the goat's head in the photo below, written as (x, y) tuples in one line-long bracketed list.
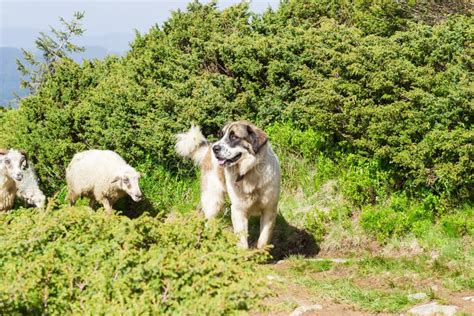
[(38, 199), (14, 162)]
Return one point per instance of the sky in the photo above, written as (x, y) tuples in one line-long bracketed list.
[(105, 21)]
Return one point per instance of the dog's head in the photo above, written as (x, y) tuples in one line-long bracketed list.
[(237, 141)]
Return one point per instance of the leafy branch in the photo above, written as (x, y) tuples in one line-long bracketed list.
[(53, 48)]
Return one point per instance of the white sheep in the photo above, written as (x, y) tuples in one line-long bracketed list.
[(12, 163), (28, 188), (103, 176)]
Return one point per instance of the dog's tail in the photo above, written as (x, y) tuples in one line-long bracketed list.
[(192, 144)]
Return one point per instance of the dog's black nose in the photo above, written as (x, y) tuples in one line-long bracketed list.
[(216, 149)]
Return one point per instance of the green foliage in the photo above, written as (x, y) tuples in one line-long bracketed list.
[(364, 182), (74, 260), (356, 77), (53, 49), (168, 192), (314, 222), (459, 224), (290, 140), (404, 215), (358, 97)]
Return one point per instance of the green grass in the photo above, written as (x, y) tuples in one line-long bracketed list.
[(378, 283), (368, 299)]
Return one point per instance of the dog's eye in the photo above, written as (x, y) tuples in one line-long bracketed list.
[(232, 136)]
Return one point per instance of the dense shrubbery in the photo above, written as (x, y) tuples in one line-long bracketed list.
[(74, 260), (364, 76)]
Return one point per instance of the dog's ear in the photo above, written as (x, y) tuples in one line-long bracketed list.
[(258, 138)]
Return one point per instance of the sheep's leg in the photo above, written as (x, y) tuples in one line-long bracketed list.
[(92, 203), (107, 205), (72, 198)]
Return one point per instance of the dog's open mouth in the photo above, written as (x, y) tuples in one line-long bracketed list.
[(226, 162)]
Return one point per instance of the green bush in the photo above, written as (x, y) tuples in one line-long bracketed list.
[(314, 223), (460, 223), (365, 78), (76, 261), (379, 222), (404, 215), (364, 182)]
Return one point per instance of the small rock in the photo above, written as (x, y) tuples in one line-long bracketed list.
[(469, 298), (306, 308), (274, 277), (417, 296), (433, 309), (335, 260)]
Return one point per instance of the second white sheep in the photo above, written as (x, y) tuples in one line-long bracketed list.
[(103, 176)]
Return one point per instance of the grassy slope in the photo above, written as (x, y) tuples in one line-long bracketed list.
[(429, 256), (48, 257), (318, 218)]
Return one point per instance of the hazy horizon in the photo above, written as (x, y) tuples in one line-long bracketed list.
[(109, 28), (21, 21)]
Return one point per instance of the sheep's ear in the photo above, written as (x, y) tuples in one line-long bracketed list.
[(3, 151), (117, 178), (24, 153), (258, 138)]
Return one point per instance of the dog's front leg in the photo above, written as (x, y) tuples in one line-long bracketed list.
[(240, 223), (267, 224)]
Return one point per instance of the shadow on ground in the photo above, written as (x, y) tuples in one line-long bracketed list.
[(126, 206), (287, 239)]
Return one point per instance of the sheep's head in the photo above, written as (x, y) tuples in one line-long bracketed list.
[(14, 162), (36, 198), (127, 180)]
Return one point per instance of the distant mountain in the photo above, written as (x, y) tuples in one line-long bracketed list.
[(25, 37), (10, 77)]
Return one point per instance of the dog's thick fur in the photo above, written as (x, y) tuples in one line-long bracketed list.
[(242, 164)]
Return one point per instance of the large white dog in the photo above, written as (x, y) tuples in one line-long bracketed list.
[(242, 164)]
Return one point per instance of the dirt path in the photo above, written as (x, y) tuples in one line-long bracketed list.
[(291, 295)]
